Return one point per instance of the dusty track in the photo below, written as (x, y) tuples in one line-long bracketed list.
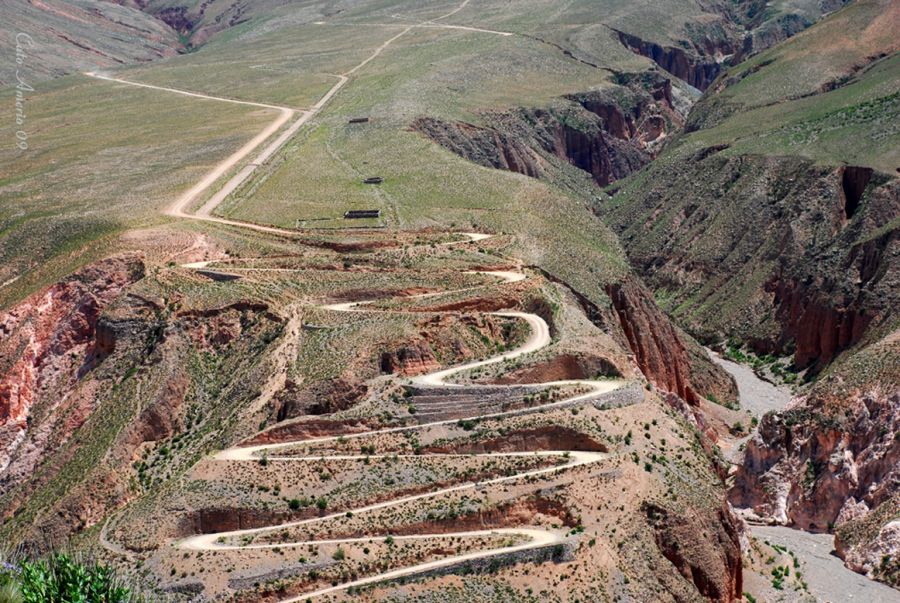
[(180, 208), (539, 338), (537, 537)]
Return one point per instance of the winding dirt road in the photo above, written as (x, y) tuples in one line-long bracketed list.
[(536, 537), (539, 338)]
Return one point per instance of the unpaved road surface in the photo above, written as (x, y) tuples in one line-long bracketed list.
[(538, 338)]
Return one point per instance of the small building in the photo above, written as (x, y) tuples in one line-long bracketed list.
[(373, 180), (356, 214), (359, 120)]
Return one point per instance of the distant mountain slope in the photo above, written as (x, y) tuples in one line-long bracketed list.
[(62, 36), (774, 223), (782, 212)]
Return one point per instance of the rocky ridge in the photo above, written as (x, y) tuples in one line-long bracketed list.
[(606, 133)]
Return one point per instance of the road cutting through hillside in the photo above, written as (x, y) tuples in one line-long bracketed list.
[(538, 338)]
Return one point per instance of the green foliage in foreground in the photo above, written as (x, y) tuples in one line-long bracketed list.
[(61, 579)]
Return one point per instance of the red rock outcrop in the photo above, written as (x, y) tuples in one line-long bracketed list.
[(820, 329), (485, 146), (107, 374), (338, 394), (816, 469), (707, 555), (475, 304), (832, 459), (560, 368), (410, 359), (656, 344), (515, 513), (210, 521), (49, 335), (317, 427)]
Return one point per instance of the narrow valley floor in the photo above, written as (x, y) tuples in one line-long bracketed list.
[(827, 578)]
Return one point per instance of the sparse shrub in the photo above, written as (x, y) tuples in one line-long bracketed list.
[(466, 424)]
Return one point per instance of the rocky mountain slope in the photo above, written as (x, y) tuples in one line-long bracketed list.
[(672, 173), (113, 417), (96, 371), (608, 134), (781, 235), (830, 461)]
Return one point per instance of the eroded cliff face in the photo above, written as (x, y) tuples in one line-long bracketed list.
[(698, 67), (708, 554), (782, 254), (103, 393), (656, 344), (739, 30), (607, 133), (49, 339), (870, 544), (831, 461), (810, 470), (668, 357)]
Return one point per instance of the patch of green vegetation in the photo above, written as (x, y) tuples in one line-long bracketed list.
[(779, 574), (60, 578), (782, 368)]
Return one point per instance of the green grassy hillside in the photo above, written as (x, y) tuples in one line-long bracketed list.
[(754, 199)]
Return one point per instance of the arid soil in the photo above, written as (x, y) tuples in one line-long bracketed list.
[(246, 412)]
